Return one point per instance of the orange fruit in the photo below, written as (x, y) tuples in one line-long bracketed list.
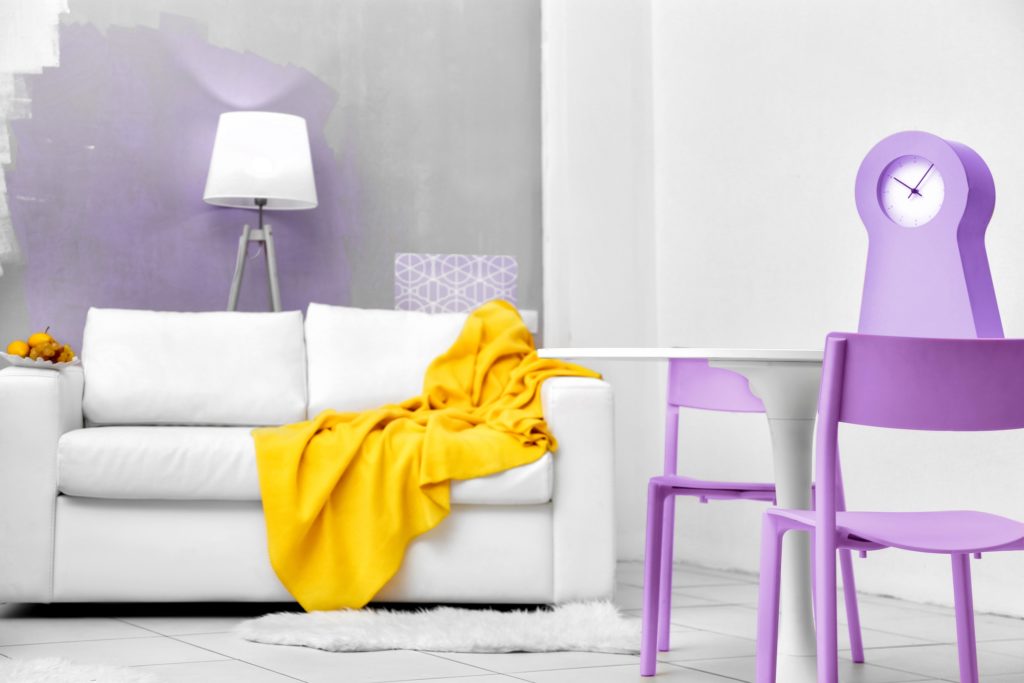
[(40, 338), (18, 348), (67, 354)]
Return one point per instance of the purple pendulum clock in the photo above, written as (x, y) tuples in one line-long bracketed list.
[(926, 203)]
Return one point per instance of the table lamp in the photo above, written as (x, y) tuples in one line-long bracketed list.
[(260, 161)]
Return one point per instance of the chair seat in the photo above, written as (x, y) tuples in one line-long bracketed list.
[(680, 482), (716, 490), (949, 531)]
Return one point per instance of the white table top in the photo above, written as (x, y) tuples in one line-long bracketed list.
[(665, 352)]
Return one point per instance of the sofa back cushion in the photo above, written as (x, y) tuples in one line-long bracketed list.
[(363, 358), (218, 368)]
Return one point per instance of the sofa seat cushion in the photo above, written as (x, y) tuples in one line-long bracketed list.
[(177, 463), (219, 463)]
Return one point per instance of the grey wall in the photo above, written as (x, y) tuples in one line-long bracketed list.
[(441, 116), (436, 129)]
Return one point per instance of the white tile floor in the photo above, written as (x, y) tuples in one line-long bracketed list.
[(713, 635)]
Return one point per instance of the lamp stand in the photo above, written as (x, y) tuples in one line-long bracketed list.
[(265, 235)]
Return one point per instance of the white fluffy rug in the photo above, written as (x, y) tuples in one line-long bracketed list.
[(586, 627), (63, 671)]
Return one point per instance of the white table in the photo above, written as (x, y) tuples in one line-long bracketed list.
[(786, 381)]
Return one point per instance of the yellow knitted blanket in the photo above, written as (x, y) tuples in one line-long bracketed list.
[(345, 493)]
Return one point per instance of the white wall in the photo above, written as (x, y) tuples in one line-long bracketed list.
[(598, 203), (598, 211), (761, 114)]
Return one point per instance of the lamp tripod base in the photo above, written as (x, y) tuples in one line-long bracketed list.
[(266, 236)]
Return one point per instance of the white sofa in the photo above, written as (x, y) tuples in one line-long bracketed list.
[(133, 477)]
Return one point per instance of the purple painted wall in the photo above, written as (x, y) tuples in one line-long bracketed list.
[(106, 189)]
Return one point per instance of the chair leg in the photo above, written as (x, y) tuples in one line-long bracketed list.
[(852, 610), (814, 555), (964, 600), (768, 600), (825, 611), (665, 602), (652, 568), (849, 597), (814, 575)]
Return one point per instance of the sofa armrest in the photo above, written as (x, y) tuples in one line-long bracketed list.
[(36, 408), (579, 412)]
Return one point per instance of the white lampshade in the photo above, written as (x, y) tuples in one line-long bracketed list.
[(259, 154)]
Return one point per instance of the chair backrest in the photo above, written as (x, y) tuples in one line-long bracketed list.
[(693, 383), (929, 384), (913, 383)]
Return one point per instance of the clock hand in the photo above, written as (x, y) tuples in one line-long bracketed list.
[(913, 190)]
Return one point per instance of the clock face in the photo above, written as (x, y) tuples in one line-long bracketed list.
[(911, 191)]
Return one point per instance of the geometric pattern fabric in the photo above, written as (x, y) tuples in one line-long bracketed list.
[(452, 283)]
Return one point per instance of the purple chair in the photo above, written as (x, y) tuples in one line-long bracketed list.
[(695, 384), (896, 383)]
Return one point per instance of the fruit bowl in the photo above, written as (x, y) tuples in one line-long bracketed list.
[(37, 363)]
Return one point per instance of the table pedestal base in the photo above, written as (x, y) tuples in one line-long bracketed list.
[(796, 620), (794, 668), (789, 393)]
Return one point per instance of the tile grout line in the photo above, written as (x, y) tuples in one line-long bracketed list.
[(178, 639), (710, 673), (533, 671), (77, 640), (438, 655), (216, 661), (193, 661), (221, 654), (147, 628), (682, 588), (904, 671), (436, 678), (153, 637), (517, 678), (695, 665), (244, 661)]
